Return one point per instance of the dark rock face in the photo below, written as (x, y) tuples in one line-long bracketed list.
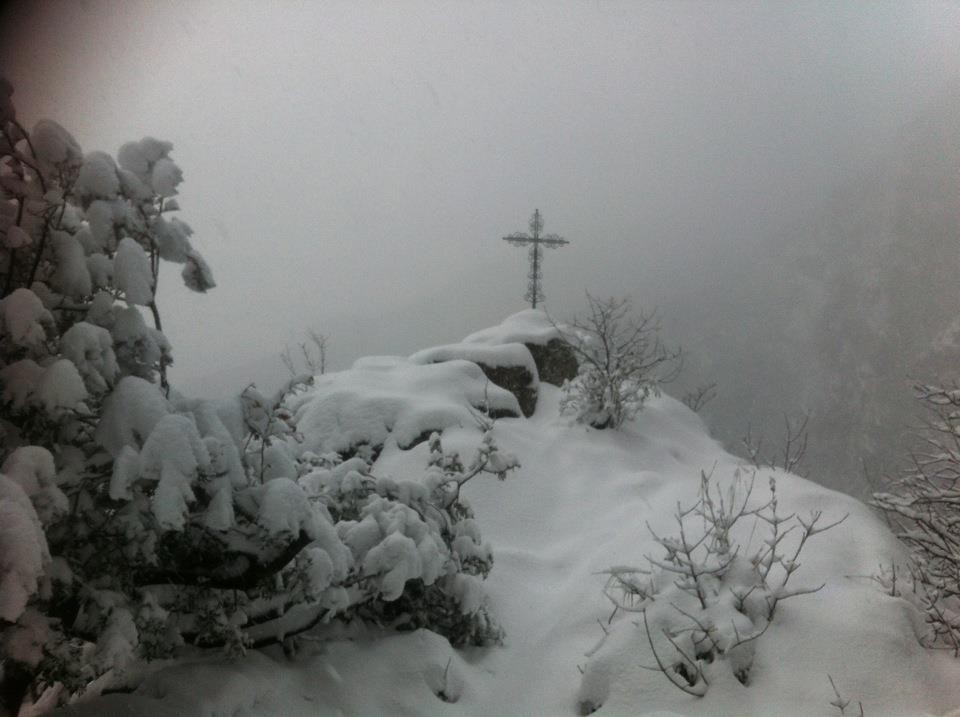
[(518, 381), (555, 361)]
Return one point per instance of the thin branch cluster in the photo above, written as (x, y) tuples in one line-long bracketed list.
[(697, 398), (706, 600), (922, 506), (312, 355), (792, 450)]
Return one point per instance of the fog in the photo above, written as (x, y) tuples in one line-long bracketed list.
[(778, 178)]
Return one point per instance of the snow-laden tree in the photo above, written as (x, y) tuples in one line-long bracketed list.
[(622, 362), (136, 522)]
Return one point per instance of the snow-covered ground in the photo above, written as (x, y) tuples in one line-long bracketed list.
[(579, 504)]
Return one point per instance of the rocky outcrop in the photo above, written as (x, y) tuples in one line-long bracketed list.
[(555, 361), (510, 366)]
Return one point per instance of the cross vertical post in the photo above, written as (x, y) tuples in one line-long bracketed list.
[(535, 240)]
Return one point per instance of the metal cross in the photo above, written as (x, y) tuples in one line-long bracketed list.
[(535, 240)]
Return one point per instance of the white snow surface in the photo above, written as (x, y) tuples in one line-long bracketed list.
[(511, 354), (71, 276), (60, 387), (53, 144), (131, 272), (130, 414), (23, 549), (171, 456), (531, 326), (385, 396), (580, 504), (24, 319), (98, 177), (90, 348)]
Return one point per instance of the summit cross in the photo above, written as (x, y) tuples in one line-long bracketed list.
[(535, 240)]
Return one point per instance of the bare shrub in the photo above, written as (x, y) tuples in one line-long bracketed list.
[(699, 397), (312, 355), (622, 363), (921, 507), (706, 601)]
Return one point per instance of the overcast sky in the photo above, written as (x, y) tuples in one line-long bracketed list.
[(351, 166)]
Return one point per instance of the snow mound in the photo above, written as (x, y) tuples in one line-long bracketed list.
[(391, 396), (531, 326), (553, 357), (510, 366)]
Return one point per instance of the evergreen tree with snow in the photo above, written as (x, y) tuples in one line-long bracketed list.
[(136, 523)]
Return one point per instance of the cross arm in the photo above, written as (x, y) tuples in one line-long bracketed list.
[(518, 239)]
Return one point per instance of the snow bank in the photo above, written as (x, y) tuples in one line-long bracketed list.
[(391, 396), (581, 503)]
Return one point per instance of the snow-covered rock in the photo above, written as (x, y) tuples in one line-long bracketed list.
[(543, 338), (510, 366), (389, 396)]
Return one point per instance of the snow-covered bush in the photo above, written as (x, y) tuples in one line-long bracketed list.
[(135, 521), (706, 600), (622, 362), (921, 506), (418, 548)]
